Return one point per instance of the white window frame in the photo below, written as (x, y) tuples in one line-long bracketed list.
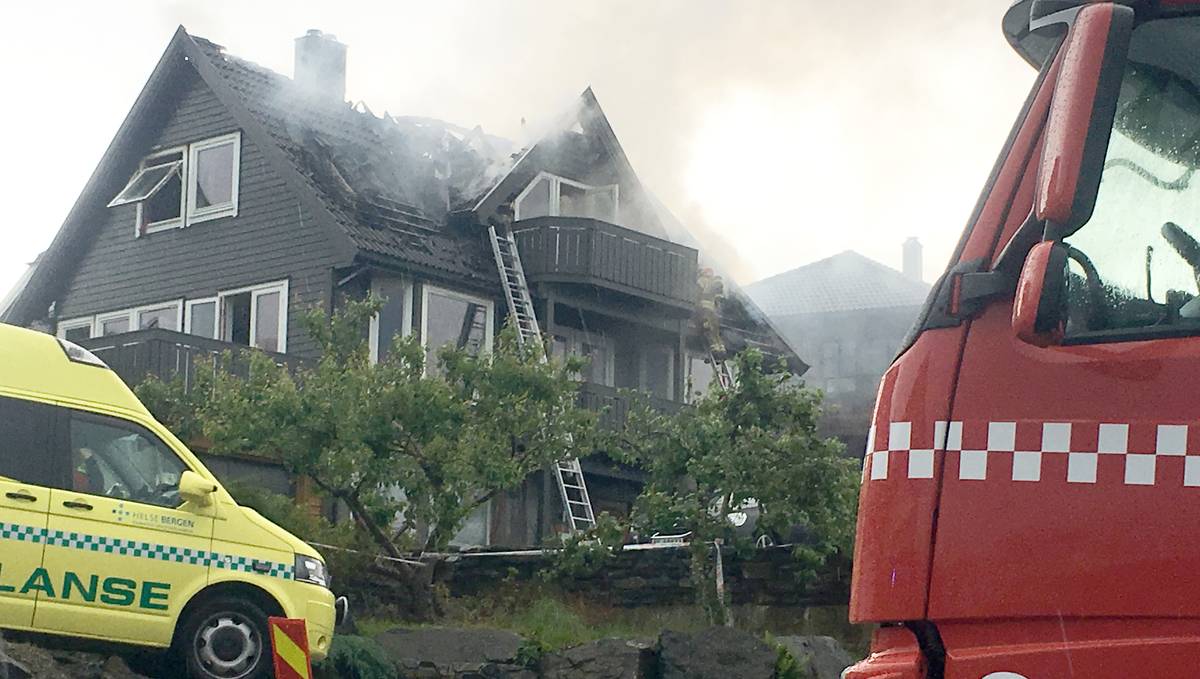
[(196, 215), (127, 314), (487, 528), (466, 297), (257, 291), (136, 314), (692, 358), (88, 322), (556, 183), (187, 316), (406, 323), (575, 338), (166, 224)]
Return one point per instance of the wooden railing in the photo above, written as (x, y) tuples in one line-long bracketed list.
[(166, 354), (614, 406), (589, 251)]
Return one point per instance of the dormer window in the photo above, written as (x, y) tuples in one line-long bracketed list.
[(185, 185), (549, 195)]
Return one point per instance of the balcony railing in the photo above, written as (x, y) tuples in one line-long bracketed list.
[(614, 406), (589, 251), (166, 354)]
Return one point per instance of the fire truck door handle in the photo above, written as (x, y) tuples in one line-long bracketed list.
[(78, 505), (23, 497)]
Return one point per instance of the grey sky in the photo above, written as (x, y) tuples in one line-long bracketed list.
[(790, 130)]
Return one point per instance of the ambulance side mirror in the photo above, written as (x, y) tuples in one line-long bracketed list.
[(1081, 115), (1039, 309), (196, 489)]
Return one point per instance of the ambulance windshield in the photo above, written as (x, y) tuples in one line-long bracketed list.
[(117, 461)]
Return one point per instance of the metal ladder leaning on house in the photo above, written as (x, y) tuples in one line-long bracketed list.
[(571, 485), (721, 368)]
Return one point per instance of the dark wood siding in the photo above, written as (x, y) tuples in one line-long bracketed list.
[(272, 238)]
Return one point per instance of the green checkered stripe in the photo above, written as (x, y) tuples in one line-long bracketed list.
[(145, 550)]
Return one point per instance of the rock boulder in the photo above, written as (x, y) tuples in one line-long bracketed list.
[(604, 659), (715, 653), (824, 656)]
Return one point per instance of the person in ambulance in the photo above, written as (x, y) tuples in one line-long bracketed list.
[(111, 529)]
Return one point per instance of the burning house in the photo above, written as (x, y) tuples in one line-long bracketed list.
[(234, 198)]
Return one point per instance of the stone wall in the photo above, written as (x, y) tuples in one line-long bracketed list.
[(659, 577)]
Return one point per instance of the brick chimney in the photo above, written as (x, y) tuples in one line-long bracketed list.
[(320, 66), (913, 264)]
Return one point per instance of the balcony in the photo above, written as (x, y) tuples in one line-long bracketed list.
[(614, 406), (167, 354), (592, 252)]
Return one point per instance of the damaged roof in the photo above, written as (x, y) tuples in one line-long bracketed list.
[(388, 182), (846, 281)]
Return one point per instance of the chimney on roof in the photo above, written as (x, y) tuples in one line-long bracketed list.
[(320, 66), (913, 265)]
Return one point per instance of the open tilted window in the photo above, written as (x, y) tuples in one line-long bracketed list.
[(157, 189), (185, 185)]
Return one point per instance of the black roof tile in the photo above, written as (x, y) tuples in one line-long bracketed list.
[(388, 182)]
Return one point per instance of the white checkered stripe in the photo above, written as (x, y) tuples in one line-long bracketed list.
[(144, 550), (992, 445)]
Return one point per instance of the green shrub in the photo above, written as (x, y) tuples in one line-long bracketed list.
[(353, 657), (788, 666)]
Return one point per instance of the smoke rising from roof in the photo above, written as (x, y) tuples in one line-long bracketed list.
[(788, 130)]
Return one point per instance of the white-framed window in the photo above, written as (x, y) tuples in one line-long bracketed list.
[(185, 185), (200, 317), (213, 178), (656, 371), (166, 316), (114, 323), (477, 529), (701, 375), (394, 318), (550, 195), (76, 329), (157, 189), (598, 349), (255, 316), (452, 317)]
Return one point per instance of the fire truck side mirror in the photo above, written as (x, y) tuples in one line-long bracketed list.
[(1092, 65), (1039, 309)]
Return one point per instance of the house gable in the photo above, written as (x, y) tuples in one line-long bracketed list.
[(273, 236), (581, 147)]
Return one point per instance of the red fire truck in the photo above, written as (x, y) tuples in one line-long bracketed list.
[(1030, 504)]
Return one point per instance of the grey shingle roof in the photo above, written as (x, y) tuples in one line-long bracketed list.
[(389, 182), (844, 282)]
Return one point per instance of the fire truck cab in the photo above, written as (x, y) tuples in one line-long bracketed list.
[(1030, 506)]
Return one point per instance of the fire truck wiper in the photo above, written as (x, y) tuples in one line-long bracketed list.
[(1180, 184)]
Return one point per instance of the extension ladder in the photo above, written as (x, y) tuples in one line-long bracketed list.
[(577, 504)]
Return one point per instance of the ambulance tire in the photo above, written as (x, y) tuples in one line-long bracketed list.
[(226, 638)]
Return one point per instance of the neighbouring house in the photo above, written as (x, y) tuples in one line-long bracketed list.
[(848, 315), (233, 199)]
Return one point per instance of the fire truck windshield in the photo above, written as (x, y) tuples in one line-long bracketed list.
[(1135, 265)]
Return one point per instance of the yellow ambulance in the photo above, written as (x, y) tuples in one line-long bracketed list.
[(111, 529)]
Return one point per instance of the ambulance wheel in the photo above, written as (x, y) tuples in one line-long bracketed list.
[(227, 638)]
